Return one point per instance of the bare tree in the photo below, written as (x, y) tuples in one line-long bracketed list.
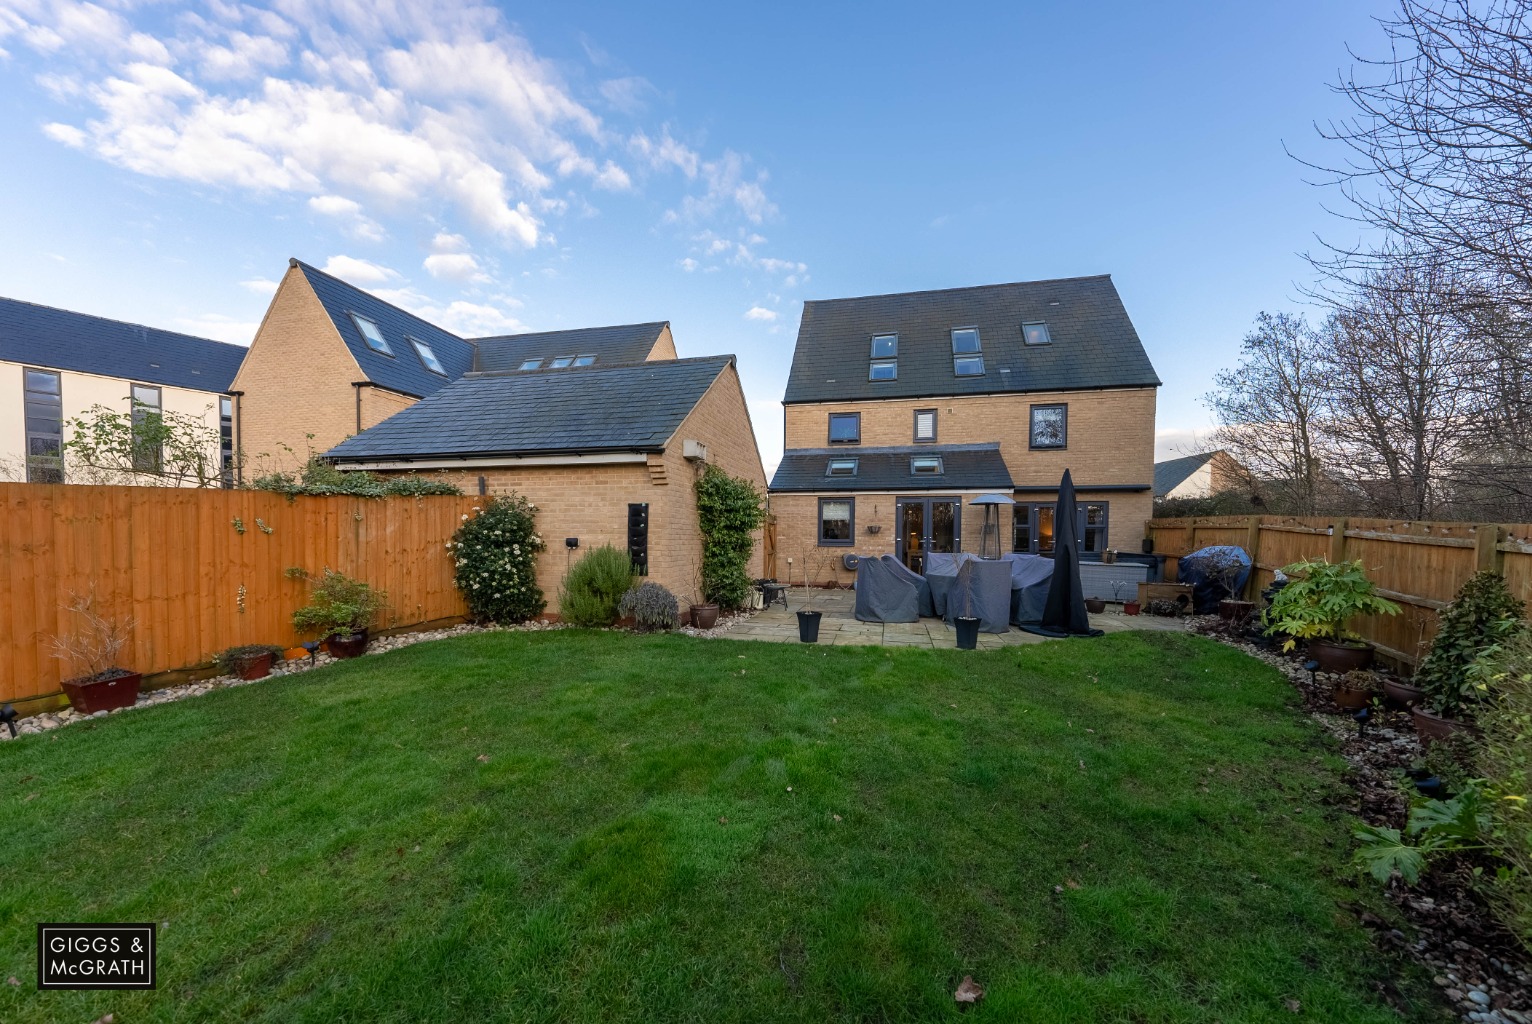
[(1268, 409)]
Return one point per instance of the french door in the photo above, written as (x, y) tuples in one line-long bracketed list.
[(927, 525)]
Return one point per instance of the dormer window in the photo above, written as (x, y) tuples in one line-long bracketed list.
[(926, 465), (371, 335), (531, 364), (584, 360), (559, 362), (1036, 334), (967, 352), (428, 357), (841, 467), (883, 369)]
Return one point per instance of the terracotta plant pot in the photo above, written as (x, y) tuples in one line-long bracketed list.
[(353, 646), (88, 697), (1403, 694), (1095, 605), (704, 616), (255, 667), (1431, 727), (1130, 607), (1235, 611), (968, 632), (1340, 658), (808, 626), (1351, 700)]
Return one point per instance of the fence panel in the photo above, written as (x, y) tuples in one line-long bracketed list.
[(200, 570)]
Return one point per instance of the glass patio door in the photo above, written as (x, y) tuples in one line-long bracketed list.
[(927, 525)]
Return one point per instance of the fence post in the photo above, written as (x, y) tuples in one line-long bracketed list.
[(1487, 548), (1337, 541), (1253, 549)]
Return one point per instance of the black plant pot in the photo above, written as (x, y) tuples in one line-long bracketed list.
[(967, 632), (808, 626)]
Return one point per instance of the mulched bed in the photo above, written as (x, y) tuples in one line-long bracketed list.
[(1478, 965)]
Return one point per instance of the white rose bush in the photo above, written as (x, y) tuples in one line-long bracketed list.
[(495, 555)]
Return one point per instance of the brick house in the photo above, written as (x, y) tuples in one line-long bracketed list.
[(901, 409), (1200, 476), (56, 364)]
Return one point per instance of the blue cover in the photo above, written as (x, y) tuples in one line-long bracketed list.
[(1031, 575), (982, 588), (922, 588), (1196, 569), (882, 596)]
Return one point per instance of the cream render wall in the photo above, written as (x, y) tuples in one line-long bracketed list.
[(80, 392)]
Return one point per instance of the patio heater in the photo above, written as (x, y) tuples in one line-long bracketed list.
[(989, 539)]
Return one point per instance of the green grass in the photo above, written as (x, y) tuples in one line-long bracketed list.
[(673, 829)]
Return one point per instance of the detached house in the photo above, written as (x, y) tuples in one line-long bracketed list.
[(901, 409), (56, 364)]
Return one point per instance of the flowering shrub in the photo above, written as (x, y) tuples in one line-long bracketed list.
[(496, 557)]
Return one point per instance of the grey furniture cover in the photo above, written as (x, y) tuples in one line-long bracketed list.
[(922, 587), (941, 577), (883, 596), (1030, 576), (982, 588)]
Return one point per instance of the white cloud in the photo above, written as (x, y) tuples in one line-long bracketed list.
[(358, 271), (260, 285), (68, 134), (477, 320), (613, 178), (349, 213), (762, 314), (219, 328), (629, 95), (445, 241), (689, 264), (455, 266)]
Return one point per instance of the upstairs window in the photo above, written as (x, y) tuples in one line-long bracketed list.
[(841, 467), (371, 335), (1050, 426), (967, 352), (925, 425), (428, 357), (531, 364), (1036, 334), (885, 346), (559, 362), (584, 360), (42, 397), (845, 427), (926, 465), (884, 369)]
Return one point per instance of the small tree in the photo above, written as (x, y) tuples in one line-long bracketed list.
[(495, 556), (145, 446), (729, 511)]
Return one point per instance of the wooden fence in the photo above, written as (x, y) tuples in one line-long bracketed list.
[(200, 570), (1419, 565)]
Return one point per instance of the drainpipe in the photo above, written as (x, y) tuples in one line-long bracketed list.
[(358, 385)]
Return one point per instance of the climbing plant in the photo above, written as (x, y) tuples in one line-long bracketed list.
[(729, 511)]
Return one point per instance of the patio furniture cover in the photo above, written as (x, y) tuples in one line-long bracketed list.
[(1064, 610), (1197, 569), (982, 588), (922, 587), (941, 577), (1031, 576), (883, 596)]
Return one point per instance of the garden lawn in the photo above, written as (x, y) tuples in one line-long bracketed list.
[(592, 826)]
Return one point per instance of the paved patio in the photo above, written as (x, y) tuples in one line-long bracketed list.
[(839, 625)]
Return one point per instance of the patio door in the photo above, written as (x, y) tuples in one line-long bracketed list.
[(927, 525)]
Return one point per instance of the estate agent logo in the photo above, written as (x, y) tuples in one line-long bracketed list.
[(95, 956)]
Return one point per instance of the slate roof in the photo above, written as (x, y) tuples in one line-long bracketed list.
[(403, 372), (635, 407), (60, 339), (1172, 473), (624, 343), (1093, 345), (965, 467)]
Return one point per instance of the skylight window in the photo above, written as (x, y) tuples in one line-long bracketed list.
[(841, 467), (926, 465), (584, 360), (559, 362), (428, 357), (967, 353), (371, 335), (531, 364), (1036, 334), (886, 369), (885, 346)]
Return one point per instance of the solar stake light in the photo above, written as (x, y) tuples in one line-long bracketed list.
[(312, 646), (8, 716), (1312, 668), (1362, 718)]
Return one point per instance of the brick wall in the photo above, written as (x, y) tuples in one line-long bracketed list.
[(664, 346)]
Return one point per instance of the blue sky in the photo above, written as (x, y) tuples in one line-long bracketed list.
[(499, 168)]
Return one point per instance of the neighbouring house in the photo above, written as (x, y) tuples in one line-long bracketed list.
[(901, 409), (607, 452), (56, 364), (1199, 476), (331, 360)]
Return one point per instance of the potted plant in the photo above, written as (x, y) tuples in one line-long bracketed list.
[(808, 617), (704, 613), (967, 624), (1455, 675), (650, 607), (1402, 694), (1095, 605), (249, 661), (1356, 689), (93, 649), (1224, 568), (1131, 607), (339, 612), (1318, 601)]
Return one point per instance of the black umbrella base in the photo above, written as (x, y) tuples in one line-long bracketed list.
[(1057, 635)]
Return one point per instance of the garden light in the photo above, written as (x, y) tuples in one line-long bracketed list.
[(8, 716), (1362, 718)]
